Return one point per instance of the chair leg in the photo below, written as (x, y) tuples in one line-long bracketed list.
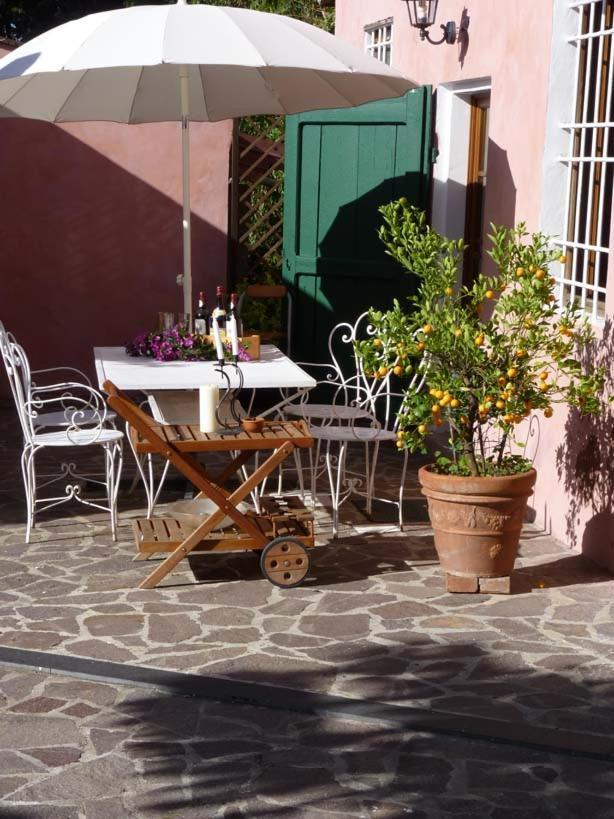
[(29, 482), (371, 478), (280, 480), (402, 489), (114, 463), (335, 482), (298, 461), (314, 459), (368, 478), (257, 492), (156, 495)]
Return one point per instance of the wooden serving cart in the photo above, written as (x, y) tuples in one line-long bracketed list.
[(283, 532)]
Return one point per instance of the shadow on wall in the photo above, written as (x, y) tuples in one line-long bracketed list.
[(89, 252), (500, 198), (352, 271), (585, 465), (463, 37)]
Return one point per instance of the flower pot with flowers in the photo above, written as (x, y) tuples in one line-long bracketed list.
[(493, 353)]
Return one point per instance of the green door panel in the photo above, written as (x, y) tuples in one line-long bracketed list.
[(340, 166)]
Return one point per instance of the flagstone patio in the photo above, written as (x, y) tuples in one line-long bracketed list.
[(74, 749), (373, 621)]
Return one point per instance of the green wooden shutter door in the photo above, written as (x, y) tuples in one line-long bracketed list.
[(340, 165)]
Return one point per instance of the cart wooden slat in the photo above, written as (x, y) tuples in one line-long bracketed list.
[(191, 439)]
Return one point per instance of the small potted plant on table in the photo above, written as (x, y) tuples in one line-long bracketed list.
[(492, 354)]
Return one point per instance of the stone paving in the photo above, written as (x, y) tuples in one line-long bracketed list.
[(74, 749), (372, 622)]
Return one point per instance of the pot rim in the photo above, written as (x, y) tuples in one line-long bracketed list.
[(426, 469)]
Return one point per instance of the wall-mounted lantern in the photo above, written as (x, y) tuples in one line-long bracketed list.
[(422, 14)]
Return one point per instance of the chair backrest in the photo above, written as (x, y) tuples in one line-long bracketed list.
[(349, 373), (76, 407), (20, 380), (274, 292)]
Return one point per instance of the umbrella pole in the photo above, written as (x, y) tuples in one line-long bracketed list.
[(185, 156)]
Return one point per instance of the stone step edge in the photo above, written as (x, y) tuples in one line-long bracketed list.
[(262, 695)]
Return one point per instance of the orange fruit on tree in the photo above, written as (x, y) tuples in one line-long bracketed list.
[(563, 259), (449, 291), (500, 404), (398, 370), (422, 429), (490, 294), (377, 342), (435, 409), (520, 272), (512, 372), (458, 332), (548, 412), (479, 339), (427, 329), (539, 274), (454, 403)]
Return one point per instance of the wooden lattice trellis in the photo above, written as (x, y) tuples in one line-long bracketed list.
[(258, 171)]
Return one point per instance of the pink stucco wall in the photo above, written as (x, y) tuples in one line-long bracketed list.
[(507, 42), (90, 230), (510, 43)]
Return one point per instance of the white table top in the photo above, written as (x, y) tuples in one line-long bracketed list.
[(273, 370)]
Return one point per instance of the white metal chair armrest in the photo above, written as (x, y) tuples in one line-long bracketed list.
[(86, 380)]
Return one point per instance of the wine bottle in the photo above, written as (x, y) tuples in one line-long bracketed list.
[(219, 311), (202, 324)]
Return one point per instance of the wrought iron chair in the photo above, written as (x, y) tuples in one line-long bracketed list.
[(66, 414), (360, 410)]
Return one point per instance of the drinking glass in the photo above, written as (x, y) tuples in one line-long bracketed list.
[(166, 321), (183, 320)]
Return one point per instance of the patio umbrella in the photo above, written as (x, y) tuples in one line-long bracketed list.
[(187, 62)]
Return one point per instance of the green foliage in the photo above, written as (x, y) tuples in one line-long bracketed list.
[(23, 19), (491, 353), (461, 467)]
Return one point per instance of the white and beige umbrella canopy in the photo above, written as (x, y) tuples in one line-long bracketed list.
[(187, 62)]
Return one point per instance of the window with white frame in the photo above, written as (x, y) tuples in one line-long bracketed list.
[(378, 40), (590, 161)]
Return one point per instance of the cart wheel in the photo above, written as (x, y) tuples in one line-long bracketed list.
[(285, 562)]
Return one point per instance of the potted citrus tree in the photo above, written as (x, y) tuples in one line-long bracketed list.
[(492, 354)]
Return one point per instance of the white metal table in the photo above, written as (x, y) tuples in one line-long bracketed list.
[(272, 370)]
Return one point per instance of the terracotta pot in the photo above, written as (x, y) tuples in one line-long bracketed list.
[(477, 521)]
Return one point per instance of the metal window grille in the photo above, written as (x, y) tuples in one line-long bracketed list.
[(378, 40), (590, 161)]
